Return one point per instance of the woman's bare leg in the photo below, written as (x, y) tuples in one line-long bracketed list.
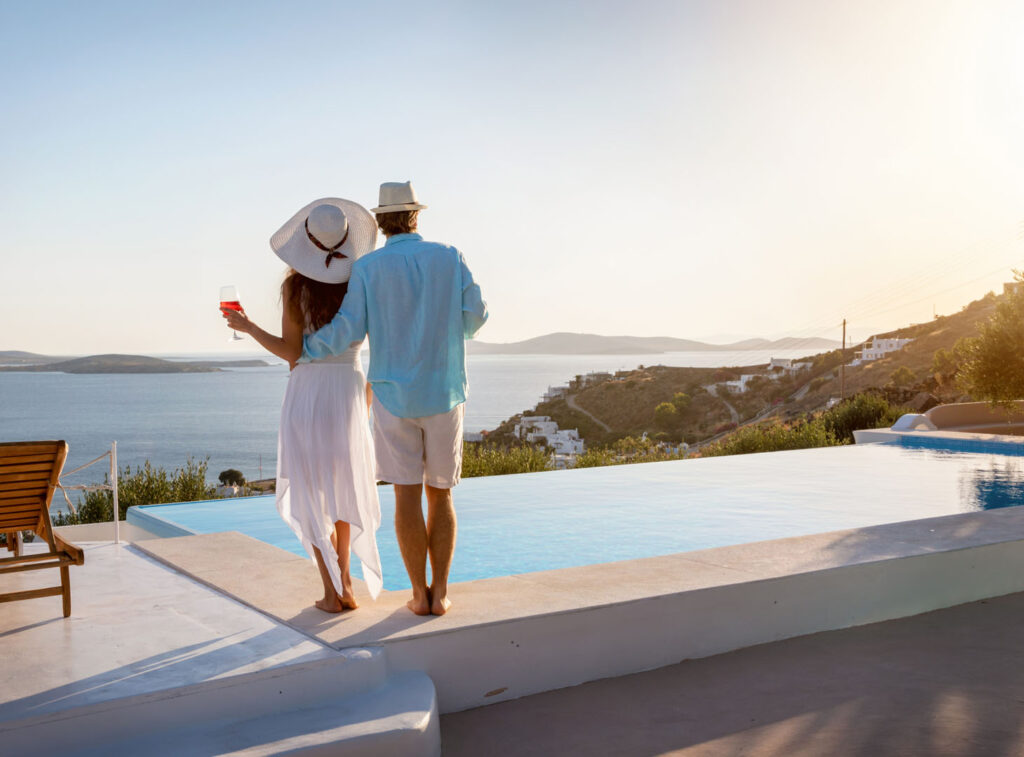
[(340, 539), (331, 601)]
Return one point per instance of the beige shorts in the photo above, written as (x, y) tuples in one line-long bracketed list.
[(418, 450)]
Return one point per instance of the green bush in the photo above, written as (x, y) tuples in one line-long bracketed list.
[(626, 452), (860, 411), (483, 460), (145, 486), (771, 438), (833, 427), (665, 415)]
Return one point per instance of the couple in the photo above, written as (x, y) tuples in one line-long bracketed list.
[(417, 302)]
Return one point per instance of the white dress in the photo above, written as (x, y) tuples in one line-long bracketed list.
[(325, 462)]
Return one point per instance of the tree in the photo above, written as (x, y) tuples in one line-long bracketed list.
[(945, 367), (902, 376), (231, 477), (681, 401), (992, 363), (665, 415)]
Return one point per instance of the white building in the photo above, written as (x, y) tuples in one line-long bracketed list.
[(541, 429), (786, 364), (554, 392), (879, 348), (739, 386)]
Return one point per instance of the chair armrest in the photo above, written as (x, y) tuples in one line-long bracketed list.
[(77, 554)]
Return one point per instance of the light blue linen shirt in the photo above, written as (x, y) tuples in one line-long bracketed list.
[(418, 303)]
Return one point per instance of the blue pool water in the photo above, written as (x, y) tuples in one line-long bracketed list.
[(542, 521)]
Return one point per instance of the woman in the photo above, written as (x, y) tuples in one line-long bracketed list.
[(326, 490)]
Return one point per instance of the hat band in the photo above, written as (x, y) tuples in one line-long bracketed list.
[(332, 252)]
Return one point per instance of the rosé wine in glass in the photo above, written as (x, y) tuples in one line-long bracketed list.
[(230, 300)]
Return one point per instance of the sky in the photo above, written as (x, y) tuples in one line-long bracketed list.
[(698, 169)]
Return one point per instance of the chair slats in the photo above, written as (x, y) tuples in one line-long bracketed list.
[(19, 459), (12, 449), (11, 501), (29, 473), (17, 477), (35, 486), (29, 467)]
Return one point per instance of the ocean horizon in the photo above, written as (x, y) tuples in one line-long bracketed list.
[(231, 416)]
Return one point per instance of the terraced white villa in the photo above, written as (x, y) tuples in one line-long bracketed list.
[(759, 604)]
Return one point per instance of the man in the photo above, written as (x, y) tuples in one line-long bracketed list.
[(418, 302)]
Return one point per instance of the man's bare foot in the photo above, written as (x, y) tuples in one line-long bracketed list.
[(419, 605), (440, 605), (349, 603)]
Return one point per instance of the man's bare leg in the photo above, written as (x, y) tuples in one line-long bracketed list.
[(340, 539), (331, 601), (441, 530), (412, 541)]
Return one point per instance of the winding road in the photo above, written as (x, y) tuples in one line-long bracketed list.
[(570, 400)]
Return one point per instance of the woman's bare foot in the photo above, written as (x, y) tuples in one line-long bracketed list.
[(420, 605), (349, 603)]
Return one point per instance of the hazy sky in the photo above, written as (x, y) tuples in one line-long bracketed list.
[(692, 169)]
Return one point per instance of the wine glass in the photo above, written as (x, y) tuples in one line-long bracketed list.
[(229, 300)]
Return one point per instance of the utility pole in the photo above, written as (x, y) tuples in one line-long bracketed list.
[(842, 367)]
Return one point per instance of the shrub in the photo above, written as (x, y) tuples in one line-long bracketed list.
[(859, 411), (484, 460), (902, 376), (665, 415), (771, 438), (146, 486), (625, 452)]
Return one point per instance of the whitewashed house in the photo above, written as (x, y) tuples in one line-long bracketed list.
[(554, 392), (538, 429), (787, 364), (878, 348)]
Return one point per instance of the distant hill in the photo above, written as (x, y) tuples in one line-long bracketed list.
[(19, 357), (566, 343), (128, 364)]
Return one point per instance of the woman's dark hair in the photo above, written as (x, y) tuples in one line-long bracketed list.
[(312, 303)]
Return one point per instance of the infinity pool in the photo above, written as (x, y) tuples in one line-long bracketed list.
[(542, 521)]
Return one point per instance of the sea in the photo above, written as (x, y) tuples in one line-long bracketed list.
[(230, 418)]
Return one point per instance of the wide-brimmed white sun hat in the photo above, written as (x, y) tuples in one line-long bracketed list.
[(323, 239), (396, 196)]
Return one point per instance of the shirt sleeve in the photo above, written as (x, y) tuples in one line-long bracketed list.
[(347, 326), (474, 309)]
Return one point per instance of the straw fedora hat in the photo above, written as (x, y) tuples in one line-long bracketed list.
[(396, 196), (323, 239)]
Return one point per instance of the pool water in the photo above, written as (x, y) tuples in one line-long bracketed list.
[(542, 521)]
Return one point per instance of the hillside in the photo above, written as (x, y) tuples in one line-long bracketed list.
[(20, 357), (130, 364), (626, 402), (565, 343)]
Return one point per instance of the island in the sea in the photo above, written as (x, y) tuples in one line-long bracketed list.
[(31, 363)]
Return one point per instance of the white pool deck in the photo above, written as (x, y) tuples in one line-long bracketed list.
[(213, 638)]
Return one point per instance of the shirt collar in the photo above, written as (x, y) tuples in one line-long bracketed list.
[(394, 239)]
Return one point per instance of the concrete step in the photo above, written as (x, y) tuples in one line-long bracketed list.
[(318, 707), (397, 718)]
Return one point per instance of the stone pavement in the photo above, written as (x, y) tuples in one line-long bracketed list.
[(949, 682)]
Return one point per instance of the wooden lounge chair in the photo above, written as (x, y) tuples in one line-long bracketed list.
[(29, 472)]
